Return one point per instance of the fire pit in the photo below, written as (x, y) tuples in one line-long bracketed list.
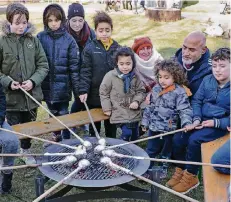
[(97, 174)]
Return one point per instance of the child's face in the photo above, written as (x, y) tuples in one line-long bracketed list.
[(221, 70), (145, 53), (103, 32), (165, 79), (53, 23), (19, 24), (76, 23), (125, 64)]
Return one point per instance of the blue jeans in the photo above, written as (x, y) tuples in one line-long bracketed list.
[(129, 133), (60, 109), (187, 146), (9, 143), (222, 156), (159, 146)]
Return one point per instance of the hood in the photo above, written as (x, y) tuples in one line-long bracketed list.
[(58, 7), (5, 29)]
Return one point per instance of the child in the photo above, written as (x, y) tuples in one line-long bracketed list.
[(23, 59), (169, 102), (63, 58), (121, 94), (211, 114), (9, 143), (97, 61)]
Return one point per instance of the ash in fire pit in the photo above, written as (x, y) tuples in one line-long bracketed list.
[(97, 174)]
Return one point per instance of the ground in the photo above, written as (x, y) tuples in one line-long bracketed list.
[(167, 38)]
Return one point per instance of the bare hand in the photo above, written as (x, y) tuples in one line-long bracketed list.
[(134, 105), (27, 85), (228, 128), (108, 113), (189, 127), (148, 98), (208, 123), (144, 129), (83, 98), (14, 85)]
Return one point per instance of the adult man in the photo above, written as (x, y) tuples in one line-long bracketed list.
[(194, 57)]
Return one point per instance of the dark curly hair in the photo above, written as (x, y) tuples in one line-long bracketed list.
[(221, 54), (174, 68), (125, 51), (101, 16)]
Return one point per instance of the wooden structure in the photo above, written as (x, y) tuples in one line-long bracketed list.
[(163, 15), (215, 183), (36, 128)]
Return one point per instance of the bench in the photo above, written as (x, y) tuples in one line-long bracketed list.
[(215, 183), (37, 128)]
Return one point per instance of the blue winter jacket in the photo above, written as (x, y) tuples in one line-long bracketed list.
[(201, 69), (2, 106), (63, 58), (212, 102)]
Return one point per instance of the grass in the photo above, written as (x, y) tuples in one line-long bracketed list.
[(167, 38)]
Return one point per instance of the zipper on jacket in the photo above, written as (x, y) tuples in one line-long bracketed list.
[(53, 70)]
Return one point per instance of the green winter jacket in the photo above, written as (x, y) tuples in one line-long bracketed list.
[(22, 59)]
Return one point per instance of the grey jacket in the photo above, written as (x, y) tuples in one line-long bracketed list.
[(114, 99), (166, 107)]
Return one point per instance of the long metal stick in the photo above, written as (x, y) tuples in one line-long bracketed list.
[(91, 119), (171, 161), (144, 139), (129, 172), (46, 154), (79, 138), (37, 138)]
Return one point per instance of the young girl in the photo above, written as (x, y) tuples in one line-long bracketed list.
[(169, 102), (63, 57), (121, 94)]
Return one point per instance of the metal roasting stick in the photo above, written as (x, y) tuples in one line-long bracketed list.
[(144, 139), (79, 138), (91, 119), (129, 172), (82, 164), (46, 154), (37, 138), (171, 161)]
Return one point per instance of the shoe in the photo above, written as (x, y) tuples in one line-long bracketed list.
[(28, 160), (187, 183), (6, 183), (175, 178), (164, 173)]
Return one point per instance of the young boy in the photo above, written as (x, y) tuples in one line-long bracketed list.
[(22, 58), (63, 58), (97, 61), (9, 144), (122, 93), (211, 114)]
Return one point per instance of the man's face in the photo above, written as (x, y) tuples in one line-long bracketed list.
[(19, 24), (192, 50)]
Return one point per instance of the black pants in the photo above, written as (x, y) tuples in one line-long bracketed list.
[(19, 117), (110, 129)]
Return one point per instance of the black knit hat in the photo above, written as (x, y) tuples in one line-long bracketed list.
[(75, 9)]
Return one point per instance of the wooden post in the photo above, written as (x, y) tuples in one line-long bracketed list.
[(163, 15)]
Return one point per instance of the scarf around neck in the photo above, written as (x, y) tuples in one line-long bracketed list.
[(127, 78)]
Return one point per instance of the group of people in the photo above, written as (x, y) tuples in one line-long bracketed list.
[(135, 86)]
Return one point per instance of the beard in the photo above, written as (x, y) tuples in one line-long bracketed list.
[(187, 62)]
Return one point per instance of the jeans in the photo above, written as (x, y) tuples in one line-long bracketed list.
[(60, 109), (187, 146), (222, 156), (9, 143), (19, 117), (129, 133), (159, 146)]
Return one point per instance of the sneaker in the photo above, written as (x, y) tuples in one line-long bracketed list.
[(187, 183), (164, 173), (175, 178), (28, 160), (6, 183)]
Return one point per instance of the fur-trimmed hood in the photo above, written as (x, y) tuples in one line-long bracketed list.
[(5, 29)]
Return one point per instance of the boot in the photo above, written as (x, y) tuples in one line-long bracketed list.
[(6, 182), (187, 183), (175, 178)]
